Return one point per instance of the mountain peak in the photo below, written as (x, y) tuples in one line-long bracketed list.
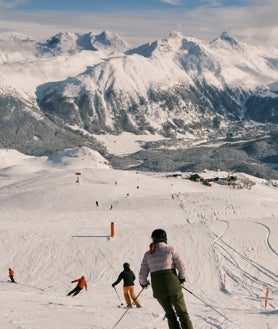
[(226, 41), (16, 47), (63, 42), (15, 41), (108, 39), (175, 35), (231, 40), (69, 42)]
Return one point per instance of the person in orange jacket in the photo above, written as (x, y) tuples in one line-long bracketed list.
[(11, 275), (81, 283)]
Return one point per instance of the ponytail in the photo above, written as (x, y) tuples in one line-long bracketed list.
[(152, 248)]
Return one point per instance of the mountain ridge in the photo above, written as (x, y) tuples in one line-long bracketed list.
[(171, 64), (87, 84)]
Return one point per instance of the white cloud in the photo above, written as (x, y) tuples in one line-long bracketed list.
[(172, 2), (257, 23), (5, 4)]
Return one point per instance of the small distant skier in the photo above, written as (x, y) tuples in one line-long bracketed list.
[(11, 275), (81, 283), (97, 203), (128, 277)]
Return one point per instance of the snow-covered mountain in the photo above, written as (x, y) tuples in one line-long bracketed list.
[(169, 86), (92, 84), (71, 43), (15, 47)]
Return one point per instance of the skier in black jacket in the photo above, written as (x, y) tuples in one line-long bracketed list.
[(128, 277)]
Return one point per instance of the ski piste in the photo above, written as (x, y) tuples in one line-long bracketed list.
[(210, 306), (26, 285), (127, 309)]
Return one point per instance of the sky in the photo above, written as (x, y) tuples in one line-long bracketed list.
[(140, 21)]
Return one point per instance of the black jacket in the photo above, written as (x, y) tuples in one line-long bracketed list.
[(128, 276)]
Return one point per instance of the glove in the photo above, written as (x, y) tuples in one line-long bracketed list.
[(113, 285), (72, 281), (145, 286), (182, 281)]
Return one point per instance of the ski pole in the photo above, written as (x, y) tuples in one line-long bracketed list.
[(138, 295), (118, 296), (207, 304), (127, 310)]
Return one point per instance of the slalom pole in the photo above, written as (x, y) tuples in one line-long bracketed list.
[(118, 296), (213, 308), (127, 309)]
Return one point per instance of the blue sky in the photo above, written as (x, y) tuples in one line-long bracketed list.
[(114, 5), (140, 21)]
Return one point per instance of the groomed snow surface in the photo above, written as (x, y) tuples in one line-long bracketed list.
[(52, 232)]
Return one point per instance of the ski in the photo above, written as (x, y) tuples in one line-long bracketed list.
[(125, 307)]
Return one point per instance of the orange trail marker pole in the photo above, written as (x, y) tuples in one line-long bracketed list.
[(266, 297), (224, 279), (112, 230)]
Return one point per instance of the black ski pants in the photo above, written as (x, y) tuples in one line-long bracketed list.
[(12, 279), (75, 291)]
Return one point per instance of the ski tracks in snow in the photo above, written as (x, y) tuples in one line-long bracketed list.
[(240, 268), (247, 278), (268, 238)]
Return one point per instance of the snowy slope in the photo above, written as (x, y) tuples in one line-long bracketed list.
[(52, 232)]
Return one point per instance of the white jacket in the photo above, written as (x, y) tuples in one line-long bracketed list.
[(164, 258)]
